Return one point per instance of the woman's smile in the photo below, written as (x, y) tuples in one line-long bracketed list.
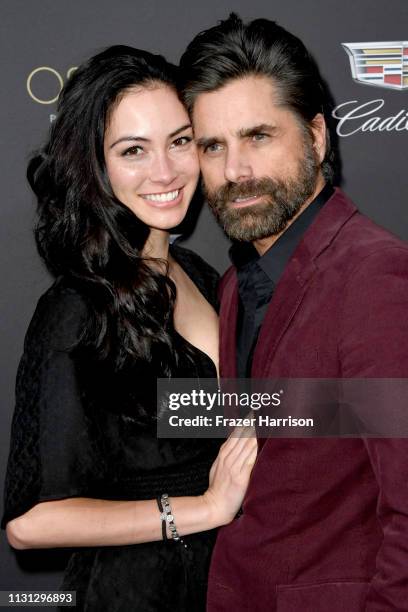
[(165, 199)]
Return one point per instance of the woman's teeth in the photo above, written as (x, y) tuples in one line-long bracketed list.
[(162, 197)]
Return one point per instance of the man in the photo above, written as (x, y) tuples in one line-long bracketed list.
[(316, 290)]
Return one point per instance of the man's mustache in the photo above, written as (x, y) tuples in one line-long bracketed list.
[(253, 187)]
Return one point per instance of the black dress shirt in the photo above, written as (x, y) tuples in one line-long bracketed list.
[(259, 275)]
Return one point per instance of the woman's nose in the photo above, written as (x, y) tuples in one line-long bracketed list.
[(164, 170)]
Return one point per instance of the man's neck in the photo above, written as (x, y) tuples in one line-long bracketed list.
[(263, 244)]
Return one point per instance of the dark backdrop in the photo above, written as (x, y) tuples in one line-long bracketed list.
[(41, 41)]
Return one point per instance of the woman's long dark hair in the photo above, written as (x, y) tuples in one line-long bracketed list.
[(84, 233)]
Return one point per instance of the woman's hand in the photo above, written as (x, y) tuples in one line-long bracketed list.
[(229, 475)]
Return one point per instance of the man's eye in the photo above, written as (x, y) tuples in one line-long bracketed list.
[(260, 137), (215, 147), (133, 151)]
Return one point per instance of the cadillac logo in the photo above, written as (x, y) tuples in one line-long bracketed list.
[(384, 64)]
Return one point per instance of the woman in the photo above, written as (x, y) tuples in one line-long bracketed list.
[(86, 469)]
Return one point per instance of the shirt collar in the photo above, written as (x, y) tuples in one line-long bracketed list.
[(274, 260)]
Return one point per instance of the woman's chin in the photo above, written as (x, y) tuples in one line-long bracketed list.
[(167, 221), (160, 218)]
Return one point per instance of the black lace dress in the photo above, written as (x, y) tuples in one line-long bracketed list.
[(74, 433)]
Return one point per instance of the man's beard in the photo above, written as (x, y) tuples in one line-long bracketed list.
[(282, 200)]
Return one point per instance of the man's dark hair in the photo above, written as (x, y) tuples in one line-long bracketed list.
[(233, 50)]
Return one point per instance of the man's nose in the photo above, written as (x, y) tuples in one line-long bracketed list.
[(237, 167), (163, 170)]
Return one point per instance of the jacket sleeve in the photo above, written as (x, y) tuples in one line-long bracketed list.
[(375, 345)]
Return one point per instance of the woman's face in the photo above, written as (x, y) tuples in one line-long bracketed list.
[(150, 155)]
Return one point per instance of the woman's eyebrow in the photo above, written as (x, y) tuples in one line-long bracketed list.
[(127, 139), (143, 139), (180, 129)]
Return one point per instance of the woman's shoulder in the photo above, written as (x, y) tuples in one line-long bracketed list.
[(59, 315)]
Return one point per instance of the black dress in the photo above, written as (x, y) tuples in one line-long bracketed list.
[(75, 433)]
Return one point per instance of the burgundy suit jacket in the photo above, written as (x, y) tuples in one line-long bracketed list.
[(325, 521)]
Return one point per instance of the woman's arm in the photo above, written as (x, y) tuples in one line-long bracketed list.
[(83, 521)]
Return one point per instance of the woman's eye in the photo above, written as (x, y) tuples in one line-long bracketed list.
[(182, 141), (133, 151)]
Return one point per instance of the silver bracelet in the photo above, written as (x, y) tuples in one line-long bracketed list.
[(162, 517), (170, 518)]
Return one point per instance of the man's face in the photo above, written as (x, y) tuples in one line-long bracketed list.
[(259, 165)]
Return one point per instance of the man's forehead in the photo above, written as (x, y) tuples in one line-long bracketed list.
[(245, 84), (237, 108), (247, 80)]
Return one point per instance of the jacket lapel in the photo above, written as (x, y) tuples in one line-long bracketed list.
[(228, 326), (286, 300), (296, 278)]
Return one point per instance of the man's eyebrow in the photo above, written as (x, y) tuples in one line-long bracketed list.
[(206, 142), (142, 139), (242, 133), (256, 129)]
